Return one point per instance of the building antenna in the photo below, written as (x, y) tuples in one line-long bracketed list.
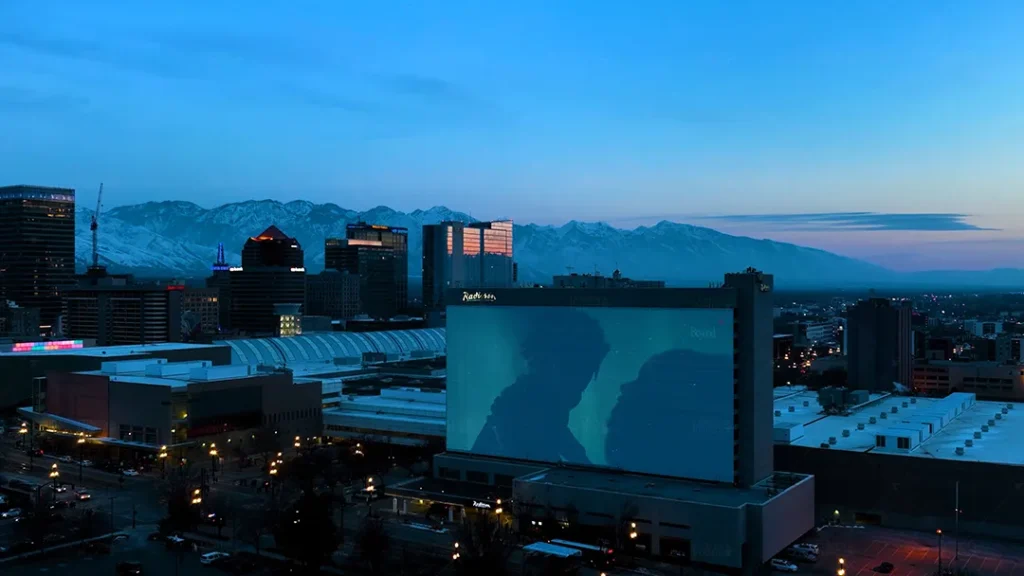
[(94, 226)]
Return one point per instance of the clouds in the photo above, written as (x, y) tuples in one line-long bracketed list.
[(856, 221)]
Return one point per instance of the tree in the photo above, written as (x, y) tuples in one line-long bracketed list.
[(483, 546), (374, 542), (182, 514), (306, 531), (252, 522)]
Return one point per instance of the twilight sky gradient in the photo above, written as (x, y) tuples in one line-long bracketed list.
[(891, 131)]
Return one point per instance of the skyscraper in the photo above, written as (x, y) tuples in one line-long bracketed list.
[(375, 265), (221, 280), (458, 255), (114, 310), (881, 344), (37, 247), (397, 239), (272, 272)]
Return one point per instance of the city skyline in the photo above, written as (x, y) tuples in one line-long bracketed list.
[(882, 133)]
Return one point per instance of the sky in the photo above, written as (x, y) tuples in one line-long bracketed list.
[(889, 131)]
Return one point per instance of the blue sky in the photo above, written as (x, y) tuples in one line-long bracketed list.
[(714, 113)]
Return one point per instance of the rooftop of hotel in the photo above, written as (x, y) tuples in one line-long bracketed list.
[(614, 481), (998, 445)]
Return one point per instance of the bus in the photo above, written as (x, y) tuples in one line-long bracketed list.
[(544, 559), (595, 556)]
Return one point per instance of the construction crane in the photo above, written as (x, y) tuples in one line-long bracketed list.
[(94, 225)]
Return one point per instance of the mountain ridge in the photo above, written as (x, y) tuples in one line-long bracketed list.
[(179, 238)]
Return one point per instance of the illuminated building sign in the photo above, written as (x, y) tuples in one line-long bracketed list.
[(47, 346), (175, 288), (298, 269), (481, 504), (479, 297), (235, 269)]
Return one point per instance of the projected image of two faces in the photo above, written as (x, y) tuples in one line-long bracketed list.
[(640, 389)]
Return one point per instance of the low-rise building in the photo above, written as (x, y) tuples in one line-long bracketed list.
[(988, 379)]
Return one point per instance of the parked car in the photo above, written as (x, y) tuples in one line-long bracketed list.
[(11, 513), (87, 463), (884, 568), (67, 459), (780, 565), (35, 452), (129, 472), (812, 548), (211, 557), (800, 555)]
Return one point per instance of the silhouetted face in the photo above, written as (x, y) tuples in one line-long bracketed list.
[(564, 354)]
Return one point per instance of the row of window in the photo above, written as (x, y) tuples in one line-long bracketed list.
[(271, 419), (901, 443)]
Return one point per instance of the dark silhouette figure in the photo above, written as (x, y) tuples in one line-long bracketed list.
[(563, 349), (667, 403)]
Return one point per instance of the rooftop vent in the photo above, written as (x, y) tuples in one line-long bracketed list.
[(906, 404), (895, 409), (959, 450), (832, 440), (913, 400), (860, 425), (999, 416), (1006, 410), (872, 420), (806, 403), (824, 445), (991, 422), (883, 416), (984, 427), (792, 408), (846, 433), (778, 413), (968, 442), (1009, 406), (977, 435)]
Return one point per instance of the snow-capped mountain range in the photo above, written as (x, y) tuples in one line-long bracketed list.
[(175, 238)]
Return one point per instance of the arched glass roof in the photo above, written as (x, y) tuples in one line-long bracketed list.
[(325, 346)]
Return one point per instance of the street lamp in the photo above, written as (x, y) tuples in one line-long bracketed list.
[(939, 532), (81, 457), (213, 461), (163, 461), (197, 497), (54, 473), (842, 567), (298, 443)]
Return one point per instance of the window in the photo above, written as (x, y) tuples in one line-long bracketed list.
[(476, 476), (903, 443), (448, 473), (504, 479), (880, 441)]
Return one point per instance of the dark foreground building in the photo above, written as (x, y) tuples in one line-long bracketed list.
[(272, 272), (37, 247)]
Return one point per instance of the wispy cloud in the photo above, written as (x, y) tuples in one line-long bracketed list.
[(864, 221)]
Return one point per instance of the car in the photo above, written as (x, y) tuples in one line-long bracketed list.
[(67, 459), (83, 495), (129, 568), (62, 504), (800, 555), (780, 565), (34, 453), (129, 472), (86, 463), (11, 513), (883, 568), (211, 557), (60, 488), (98, 548), (807, 546)]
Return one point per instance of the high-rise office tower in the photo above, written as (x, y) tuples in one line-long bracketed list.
[(332, 293), (37, 247), (458, 255), (272, 272), (375, 266), (221, 280), (881, 344), (397, 239)]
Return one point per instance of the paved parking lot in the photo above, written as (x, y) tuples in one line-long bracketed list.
[(911, 553)]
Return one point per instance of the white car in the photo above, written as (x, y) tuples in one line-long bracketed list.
[(60, 488), (780, 565), (87, 463), (12, 513), (129, 472), (67, 459), (211, 557)]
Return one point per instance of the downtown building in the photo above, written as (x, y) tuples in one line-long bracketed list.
[(272, 273), (37, 248), (376, 267), (594, 413), (880, 344), (115, 310), (457, 255), (397, 239)]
